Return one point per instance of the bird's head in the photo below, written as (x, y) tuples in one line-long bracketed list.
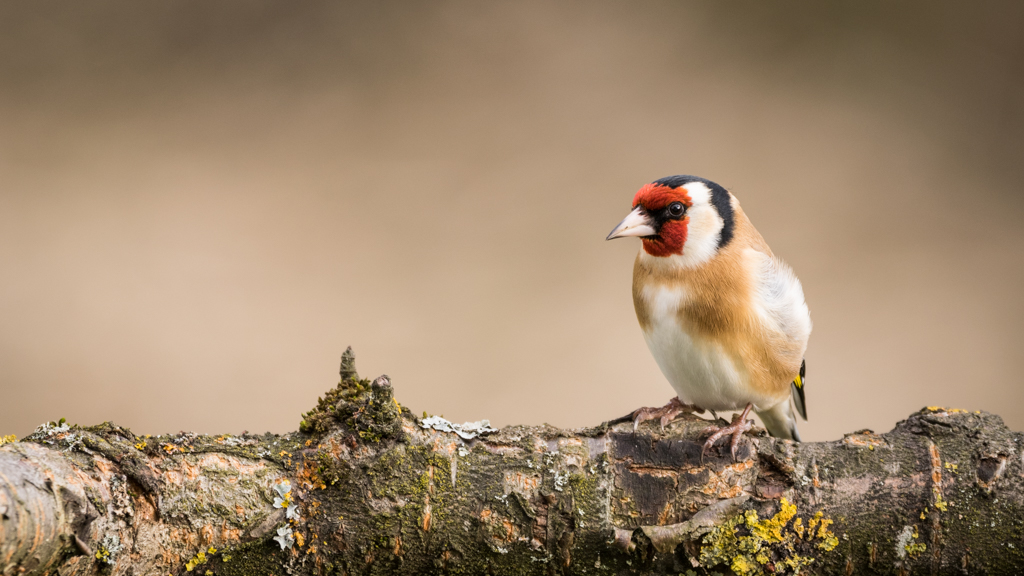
[(681, 216)]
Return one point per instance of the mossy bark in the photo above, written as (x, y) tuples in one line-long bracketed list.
[(364, 488)]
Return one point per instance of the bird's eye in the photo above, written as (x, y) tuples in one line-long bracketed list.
[(675, 209)]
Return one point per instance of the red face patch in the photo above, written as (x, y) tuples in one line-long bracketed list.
[(672, 235), (654, 197)]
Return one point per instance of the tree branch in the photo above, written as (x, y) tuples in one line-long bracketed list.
[(367, 488)]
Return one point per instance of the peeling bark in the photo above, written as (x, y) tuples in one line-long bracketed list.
[(364, 488)]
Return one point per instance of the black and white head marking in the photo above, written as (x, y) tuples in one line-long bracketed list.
[(720, 199)]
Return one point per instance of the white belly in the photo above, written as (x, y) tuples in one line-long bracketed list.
[(700, 371)]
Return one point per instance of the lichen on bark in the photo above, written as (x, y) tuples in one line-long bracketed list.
[(369, 488)]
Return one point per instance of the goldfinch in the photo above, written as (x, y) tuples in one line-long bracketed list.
[(723, 317)]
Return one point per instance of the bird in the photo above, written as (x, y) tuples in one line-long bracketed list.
[(725, 319)]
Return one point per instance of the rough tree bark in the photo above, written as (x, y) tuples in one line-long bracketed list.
[(365, 488)]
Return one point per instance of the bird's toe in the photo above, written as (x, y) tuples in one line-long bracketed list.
[(735, 431), (664, 414)]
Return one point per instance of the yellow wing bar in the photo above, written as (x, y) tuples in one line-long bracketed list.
[(798, 390)]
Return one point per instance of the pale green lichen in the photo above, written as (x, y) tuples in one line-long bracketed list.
[(107, 551), (285, 537), (905, 544), (751, 546), (284, 499), (466, 431), (58, 433)]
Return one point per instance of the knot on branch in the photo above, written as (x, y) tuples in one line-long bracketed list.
[(348, 365), (365, 409)]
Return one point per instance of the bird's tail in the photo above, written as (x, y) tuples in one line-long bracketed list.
[(780, 421)]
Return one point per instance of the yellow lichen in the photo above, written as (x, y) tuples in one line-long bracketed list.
[(823, 526), (947, 410), (952, 467), (795, 563), (141, 445), (812, 524), (771, 530), (828, 539), (198, 560), (102, 554), (741, 565), (767, 547), (915, 548)]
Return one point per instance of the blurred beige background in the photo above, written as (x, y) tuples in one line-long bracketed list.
[(202, 204)]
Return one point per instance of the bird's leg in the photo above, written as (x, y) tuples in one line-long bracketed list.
[(739, 425), (666, 413)]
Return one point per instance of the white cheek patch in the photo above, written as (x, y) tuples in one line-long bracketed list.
[(699, 193), (701, 236), (703, 229)]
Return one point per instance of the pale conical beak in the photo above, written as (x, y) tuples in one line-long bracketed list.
[(636, 224)]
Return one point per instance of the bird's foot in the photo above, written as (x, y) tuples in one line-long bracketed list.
[(665, 414), (739, 425)]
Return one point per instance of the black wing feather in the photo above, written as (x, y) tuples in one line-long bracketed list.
[(798, 390)]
